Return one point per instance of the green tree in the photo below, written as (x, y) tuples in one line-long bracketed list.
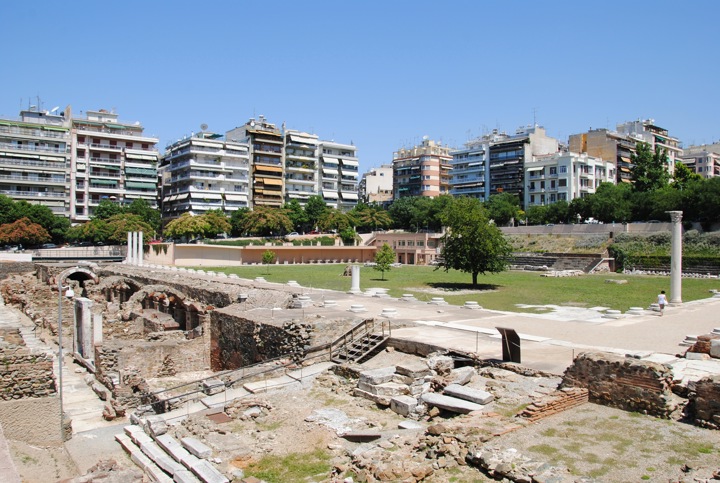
[(334, 220), (650, 169), (146, 212), (297, 215), (612, 203), (94, 231), (265, 221), (536, 214), (23, 232), (348, 236), (105, 209), (186, 226), (118, 227), (471, 243), (237, 221), (384, 258), (217, 222), (503, 208), (369, 217), (315, 208), (683, 176), (559, 212), (268, 257), (403, 212)]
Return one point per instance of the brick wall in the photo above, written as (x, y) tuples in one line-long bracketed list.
[(25, 374), (624, 383)]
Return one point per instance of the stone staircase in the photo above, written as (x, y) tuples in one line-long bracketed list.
[(165, 459)]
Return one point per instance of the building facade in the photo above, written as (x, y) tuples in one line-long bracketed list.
[(471, 169), (302, 173), (376, 185), (618, 147), (266, 143), (35, 159), (564, 177), (423, 170), (703, 160), (204, 172), (339, 164), (411, 248), (110, 160)]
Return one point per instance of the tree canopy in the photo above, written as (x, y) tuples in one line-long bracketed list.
[(471, 243), (23, 232), (649, 171)]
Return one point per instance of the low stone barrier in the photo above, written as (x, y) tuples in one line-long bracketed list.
[(554, 403)]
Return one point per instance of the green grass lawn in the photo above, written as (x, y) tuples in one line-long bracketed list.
[(501, 291)]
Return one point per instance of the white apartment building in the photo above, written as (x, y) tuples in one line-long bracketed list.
[(204, 172), (302, 174), (648, 132), (564, 177), (703, 160), (111, 160), (35, 159), (339, 168), (376, 186)]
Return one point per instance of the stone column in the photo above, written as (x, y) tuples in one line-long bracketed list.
[(83, 340), (676, 258), (134, 248), (128, 254), (355, 286), (140, 249)]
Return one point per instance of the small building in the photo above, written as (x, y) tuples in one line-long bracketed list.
[(420, 248), (376, 185)]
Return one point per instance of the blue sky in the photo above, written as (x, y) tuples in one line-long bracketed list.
[(379, 74)]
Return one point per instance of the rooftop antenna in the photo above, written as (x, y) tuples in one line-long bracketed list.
[(52, 111), (203, 127)]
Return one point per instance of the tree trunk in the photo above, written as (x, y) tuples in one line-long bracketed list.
[(475, 275)]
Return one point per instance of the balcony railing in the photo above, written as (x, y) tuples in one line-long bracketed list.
[(40, 194), (38, 149), (36, 133), (30, 162), (35, 179), (105, 146)]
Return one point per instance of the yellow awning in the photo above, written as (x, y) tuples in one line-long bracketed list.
[(272, 181), (263, 167)]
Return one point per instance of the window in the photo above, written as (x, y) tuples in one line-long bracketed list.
[(562, 196), (553, 170), (563, 169), (562, 183), (552, 184)]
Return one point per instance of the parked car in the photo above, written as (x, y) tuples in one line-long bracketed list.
[(294, 233), (48, 245)]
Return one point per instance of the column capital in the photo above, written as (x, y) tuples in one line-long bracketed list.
[(675, 216)]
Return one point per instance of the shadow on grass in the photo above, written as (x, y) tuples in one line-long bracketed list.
[(454, 287), (379, 280)]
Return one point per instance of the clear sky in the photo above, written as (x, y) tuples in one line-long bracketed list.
[(379, 74)]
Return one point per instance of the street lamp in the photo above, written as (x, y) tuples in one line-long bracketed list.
[(69, 294)]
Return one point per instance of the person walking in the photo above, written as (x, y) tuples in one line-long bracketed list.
[(662, 301)]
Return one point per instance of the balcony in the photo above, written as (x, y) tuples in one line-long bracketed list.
[(35, 133), (32, 163), (34, 149), (105, 161), (33, 179), (106, 147), (33, 194)]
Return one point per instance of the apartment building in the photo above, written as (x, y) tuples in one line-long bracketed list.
[(657, 137), (302, 174), (564, 177), (339, 166), (619, 146), (470, 169), (376, 185), (703, 159), (110, 160), (35, 158), (266, 143), (422, 170), (508, 155), (204, 172)]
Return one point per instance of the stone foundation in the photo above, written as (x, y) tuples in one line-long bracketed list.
[(557, 402), (624, 383), (707, 402)]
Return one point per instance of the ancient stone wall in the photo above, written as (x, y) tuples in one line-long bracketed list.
[(25, 374), (706, 402), (8, 268), (34, 421), (238, 342), (624, 383)]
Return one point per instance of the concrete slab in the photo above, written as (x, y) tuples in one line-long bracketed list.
[(208, 473), (477, 396), (196, 447)]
